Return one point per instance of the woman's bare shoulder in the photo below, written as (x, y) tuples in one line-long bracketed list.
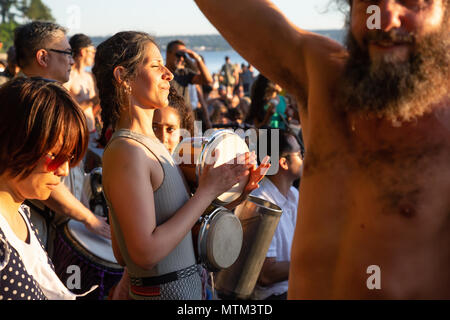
[(122, 152)]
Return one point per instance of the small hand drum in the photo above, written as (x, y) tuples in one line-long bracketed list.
[(192, 154), (217, 238)]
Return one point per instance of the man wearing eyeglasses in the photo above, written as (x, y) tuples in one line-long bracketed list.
[(43, 50)]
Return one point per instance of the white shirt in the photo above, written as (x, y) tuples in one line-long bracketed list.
[(280, 247), (74, 181), (35, 260)]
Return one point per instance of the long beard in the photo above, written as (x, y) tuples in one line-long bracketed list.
[(396, 91)]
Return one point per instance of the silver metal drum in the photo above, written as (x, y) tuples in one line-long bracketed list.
[(217, 238), (259, 219)]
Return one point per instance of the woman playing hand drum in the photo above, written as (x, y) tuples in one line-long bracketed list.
[(151, 212)]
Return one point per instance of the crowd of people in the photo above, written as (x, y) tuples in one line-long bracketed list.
[(374, 119)]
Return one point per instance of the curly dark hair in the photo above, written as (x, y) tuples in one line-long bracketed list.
[(124, 49), (184, 112)]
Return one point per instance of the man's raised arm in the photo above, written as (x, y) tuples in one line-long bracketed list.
[(262, 34)]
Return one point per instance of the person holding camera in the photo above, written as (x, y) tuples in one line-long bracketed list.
[(187, 68)]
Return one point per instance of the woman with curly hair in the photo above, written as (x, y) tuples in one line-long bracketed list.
[(151, 213)]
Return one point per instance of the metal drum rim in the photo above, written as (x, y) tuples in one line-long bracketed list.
[(81, 250), (203, 233)]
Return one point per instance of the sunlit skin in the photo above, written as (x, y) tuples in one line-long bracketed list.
[(150, 89), (417, 16), (371, 193), (49, 64), (82, 84), (166, 125), (89, 55), (132, 173), (38, 185)]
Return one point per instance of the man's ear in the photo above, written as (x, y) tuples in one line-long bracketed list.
[(42, 58), (83, 52), (283, 163)]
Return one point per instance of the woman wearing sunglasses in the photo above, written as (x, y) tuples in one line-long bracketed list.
[(42, 134)]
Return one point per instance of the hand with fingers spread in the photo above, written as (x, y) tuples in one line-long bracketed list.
[(256, 175), (217, 180)]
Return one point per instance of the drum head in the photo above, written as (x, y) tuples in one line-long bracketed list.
[(229, 145), (224, 240), (95, 244)]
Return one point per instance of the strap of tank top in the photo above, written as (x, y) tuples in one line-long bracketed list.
[(142, 139), (145, 141)]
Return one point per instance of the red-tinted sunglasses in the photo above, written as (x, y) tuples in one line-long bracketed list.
[(53, 162)]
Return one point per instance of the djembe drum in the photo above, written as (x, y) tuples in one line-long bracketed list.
[(77, 246)]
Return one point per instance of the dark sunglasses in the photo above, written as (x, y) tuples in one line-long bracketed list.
[(53, 162), (180, 54)]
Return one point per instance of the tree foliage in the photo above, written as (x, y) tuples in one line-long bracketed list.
[(36, 10), (16, 12)]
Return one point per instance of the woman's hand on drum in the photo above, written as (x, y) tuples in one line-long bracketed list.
[(256, 175), (214, 181)]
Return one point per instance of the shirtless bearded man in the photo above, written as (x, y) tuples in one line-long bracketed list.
[(376, 123)]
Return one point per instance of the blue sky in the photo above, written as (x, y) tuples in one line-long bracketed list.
[(171, 17)]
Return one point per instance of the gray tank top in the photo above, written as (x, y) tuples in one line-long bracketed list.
[(169, 197)]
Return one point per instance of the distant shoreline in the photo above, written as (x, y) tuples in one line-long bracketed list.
[(216, 42)]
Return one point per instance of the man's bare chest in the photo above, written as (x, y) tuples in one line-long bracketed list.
[(403, 170)]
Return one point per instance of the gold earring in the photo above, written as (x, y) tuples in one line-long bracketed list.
[(127, 89)]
